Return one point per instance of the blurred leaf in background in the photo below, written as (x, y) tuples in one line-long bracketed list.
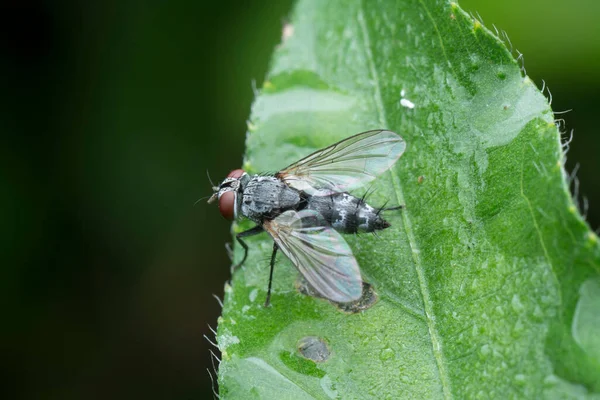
[(111, 113), (115, 110)]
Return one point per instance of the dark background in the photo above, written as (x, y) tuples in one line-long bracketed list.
[(111, 113)]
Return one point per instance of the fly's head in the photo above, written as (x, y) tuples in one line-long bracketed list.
[(229, 193)]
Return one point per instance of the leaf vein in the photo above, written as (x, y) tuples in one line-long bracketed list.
[(439, 35), (427, 302)]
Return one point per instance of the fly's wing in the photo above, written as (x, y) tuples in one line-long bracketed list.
[(345, 165), (319, 252)]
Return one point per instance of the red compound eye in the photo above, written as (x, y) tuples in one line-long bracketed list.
[(227, 199), (236, 173), (227, 205)]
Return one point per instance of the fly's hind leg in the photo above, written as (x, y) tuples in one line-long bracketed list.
[(380, 222), (268, 300), (250, 232), (384, 208)]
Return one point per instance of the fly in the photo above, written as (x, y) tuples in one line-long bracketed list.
[(306, 206)]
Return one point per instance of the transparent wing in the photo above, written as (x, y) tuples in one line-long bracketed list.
[(345, 165), (319, 252)]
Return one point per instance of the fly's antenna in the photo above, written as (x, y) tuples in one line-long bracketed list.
[(210, 180), (200, 199)]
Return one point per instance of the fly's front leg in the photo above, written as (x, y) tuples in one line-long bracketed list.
[(250, 232)]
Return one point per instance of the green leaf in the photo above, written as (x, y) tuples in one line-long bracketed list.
[(488, 281)]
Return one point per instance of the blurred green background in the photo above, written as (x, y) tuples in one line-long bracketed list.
[(112, 113)]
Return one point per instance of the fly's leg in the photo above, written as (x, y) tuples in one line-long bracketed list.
[(392, 208), (250, 232), (384, 208), (268, 300), (380, 222)]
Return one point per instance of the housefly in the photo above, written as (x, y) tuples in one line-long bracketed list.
[(305, 206)]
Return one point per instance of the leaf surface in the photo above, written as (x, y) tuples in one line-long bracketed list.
[(488, 281)]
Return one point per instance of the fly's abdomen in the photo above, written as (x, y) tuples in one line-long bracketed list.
[(348, 214)]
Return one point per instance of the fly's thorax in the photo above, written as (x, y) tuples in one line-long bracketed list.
[(347, 213), (267, 197)]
